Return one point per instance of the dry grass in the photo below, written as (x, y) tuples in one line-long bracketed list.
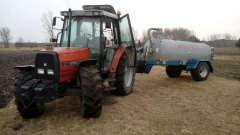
[(227, 63), (227, 67), (227, 51)]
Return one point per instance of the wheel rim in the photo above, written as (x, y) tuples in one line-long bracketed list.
[(128, 74), (203, 71)]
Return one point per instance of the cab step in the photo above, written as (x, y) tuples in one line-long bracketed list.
[(109, 88), (108, 80)]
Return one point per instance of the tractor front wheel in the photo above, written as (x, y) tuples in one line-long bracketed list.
[(27, 107), (91, 91)]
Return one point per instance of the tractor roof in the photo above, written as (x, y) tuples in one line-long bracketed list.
[(107, 8), (94, 11)]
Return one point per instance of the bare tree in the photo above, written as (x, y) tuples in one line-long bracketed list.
[(222, 40), (179, 34), (167, 33), (228, 36), (144, 37), (215, 37), (182, 34), (193, 38), (47, 24), (135, 34), (238, 43), (224, 36), (5, 36), (20, 40)]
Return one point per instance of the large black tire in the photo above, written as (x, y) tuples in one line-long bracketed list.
[(173, 71), (124, 77), (26, 108), (91, 91), (201, 72)]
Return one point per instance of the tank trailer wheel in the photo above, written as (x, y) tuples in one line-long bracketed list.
[(124, 77), (26, 108), (201, 72), (91, 91), (173, 71)]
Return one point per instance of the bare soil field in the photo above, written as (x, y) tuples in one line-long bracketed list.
[(227, 63), (229, 51), (227, 67), (9, 59), (158, 105)]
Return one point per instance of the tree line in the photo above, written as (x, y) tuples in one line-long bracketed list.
[(184, 34)]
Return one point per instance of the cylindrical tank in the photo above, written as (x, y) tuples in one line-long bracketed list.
[(165, 49), (181, 50)]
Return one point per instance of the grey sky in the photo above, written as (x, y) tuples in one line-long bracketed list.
[(205, 17)]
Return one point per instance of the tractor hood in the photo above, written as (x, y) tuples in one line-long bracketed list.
[(69, 54), (64, 50), (62, 60)]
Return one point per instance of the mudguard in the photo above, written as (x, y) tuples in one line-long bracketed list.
[(117, 56), (25, 67), (192, 64)]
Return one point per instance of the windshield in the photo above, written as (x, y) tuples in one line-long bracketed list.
[(85, 33)]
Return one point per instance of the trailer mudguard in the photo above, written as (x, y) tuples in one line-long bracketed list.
[(192, 64), (144, 66)]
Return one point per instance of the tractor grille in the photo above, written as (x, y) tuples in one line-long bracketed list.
[(46, 62)]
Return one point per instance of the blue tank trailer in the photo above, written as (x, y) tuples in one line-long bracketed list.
[(175, 55)]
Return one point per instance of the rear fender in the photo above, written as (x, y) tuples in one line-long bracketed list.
[(192, 64), (116, 57), (210, 66), (25, 67), (144, 66)]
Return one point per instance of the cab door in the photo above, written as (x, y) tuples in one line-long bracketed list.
[(127, 39)]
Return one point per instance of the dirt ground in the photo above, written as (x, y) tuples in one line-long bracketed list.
[(158, 105), (8, 60)]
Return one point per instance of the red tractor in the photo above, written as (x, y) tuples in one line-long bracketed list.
[(96, 48)]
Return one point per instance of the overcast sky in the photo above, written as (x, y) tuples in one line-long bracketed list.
[(204, 17)]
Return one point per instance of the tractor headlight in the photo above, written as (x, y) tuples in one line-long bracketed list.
[(50, 72), (40, 71)]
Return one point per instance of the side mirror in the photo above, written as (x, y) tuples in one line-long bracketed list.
[(54, 21), (53, 40)]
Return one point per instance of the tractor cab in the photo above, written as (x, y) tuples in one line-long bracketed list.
[(101, 30)]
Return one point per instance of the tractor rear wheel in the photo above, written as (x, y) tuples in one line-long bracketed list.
[(26, 107), (124, 77), (201, 72), (91, 91), (173, 71)]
